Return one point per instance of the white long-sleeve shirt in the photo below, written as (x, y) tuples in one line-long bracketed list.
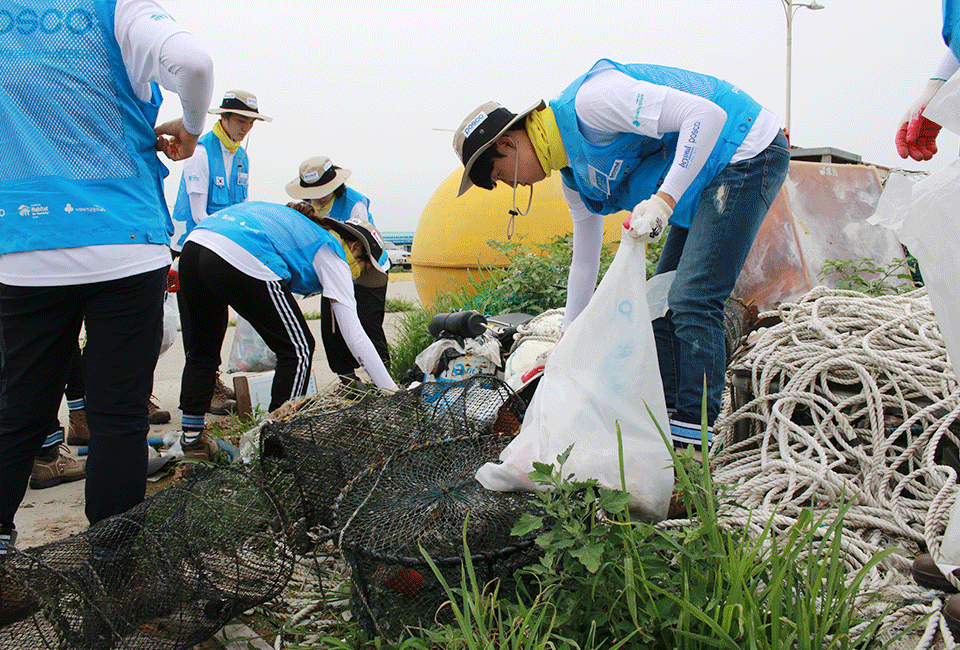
[(606, 106), (337, 283), (154, 49)]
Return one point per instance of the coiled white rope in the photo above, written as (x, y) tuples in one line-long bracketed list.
[(849, 398)]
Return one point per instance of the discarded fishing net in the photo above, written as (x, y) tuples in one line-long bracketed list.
[(420, 499), (167, 574), (309, 459)]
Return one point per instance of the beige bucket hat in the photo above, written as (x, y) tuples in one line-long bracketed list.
[(479, 130), (240, 102), (317, 179)]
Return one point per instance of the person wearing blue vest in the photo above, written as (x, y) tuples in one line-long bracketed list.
[(215, 177), (83, 233), (668, 145), (917, 136), (323, 184), (254, 257)]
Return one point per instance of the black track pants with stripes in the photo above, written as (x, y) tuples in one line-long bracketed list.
[(208, 286)]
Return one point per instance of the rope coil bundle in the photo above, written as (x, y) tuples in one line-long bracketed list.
[(846, 397)]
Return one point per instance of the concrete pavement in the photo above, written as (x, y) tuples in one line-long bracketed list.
[(57, 512)]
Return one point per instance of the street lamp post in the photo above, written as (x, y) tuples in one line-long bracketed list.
[(790, 8)]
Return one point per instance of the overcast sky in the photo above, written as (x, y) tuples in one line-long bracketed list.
[(367, 83)]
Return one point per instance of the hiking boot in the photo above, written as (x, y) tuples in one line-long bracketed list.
[(77, 431), (224, 400), (203, 448), (926, 573), (155, 414), (17, 602), (55, 470)]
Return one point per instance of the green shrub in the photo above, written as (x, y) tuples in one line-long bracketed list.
[(865, 275)]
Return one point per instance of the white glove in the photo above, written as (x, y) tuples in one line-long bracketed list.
[(648, 219)]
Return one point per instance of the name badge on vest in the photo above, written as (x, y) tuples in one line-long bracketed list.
[(219, 181), (600, 180), (242, 178)]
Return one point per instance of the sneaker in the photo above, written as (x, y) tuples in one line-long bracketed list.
[(685, 434), (203, 448), (77, 431), (48, 472), (155, 414), (926, 573), (224, 401)]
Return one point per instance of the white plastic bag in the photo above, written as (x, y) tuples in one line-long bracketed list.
[(603, 372), (171, 321), (924, 217), (249, 352)]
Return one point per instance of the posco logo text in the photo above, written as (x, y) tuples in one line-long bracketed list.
[(694, 132), (51, 21)]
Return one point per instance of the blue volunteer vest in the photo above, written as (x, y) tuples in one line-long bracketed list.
[(343, 206), (223, 190), (280, 237), (79, 165), (951, 26), (632, 167)]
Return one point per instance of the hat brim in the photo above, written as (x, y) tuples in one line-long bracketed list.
[(298, 191), (465, 182), (375, 249), (256, 116)]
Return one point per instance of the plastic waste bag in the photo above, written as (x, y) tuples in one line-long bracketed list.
[(923, 215), (249, 352), (603, 372), (171, 321)]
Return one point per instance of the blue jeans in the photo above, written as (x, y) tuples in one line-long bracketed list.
[(707, 258)]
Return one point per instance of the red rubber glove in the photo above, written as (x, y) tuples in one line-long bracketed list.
[(917, 136), (173, 277)]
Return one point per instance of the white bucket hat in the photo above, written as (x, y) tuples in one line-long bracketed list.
[(240, 102), (317, 179)]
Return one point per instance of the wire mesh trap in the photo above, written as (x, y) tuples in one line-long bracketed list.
[(420, 498), (308, 459), (168, 573)]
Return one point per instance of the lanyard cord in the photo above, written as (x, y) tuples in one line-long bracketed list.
[(515, 211)]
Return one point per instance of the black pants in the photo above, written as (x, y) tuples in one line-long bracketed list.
[(39, 327), (370, 310), (208, 287)]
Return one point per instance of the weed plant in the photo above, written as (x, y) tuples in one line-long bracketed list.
[(865, 275), (604, 581)]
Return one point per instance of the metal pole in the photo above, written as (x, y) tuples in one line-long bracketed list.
[(788, 8)]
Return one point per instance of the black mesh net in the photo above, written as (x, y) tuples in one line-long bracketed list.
[(168, 573), (172, 571), (426, 497), (310, 457)]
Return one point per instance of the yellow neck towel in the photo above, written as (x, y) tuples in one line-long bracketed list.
[(227, 141), (351, 260), (545, 137)]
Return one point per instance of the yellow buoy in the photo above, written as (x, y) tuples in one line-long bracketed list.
[(451, 238)]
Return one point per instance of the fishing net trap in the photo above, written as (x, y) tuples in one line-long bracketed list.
[(425, 502), (166, 574)]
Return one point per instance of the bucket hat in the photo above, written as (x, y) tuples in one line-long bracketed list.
[(372, 242), (317, 179), (479, 130), (240, 102)]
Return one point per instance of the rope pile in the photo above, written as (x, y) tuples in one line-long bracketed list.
[(848, 397)]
